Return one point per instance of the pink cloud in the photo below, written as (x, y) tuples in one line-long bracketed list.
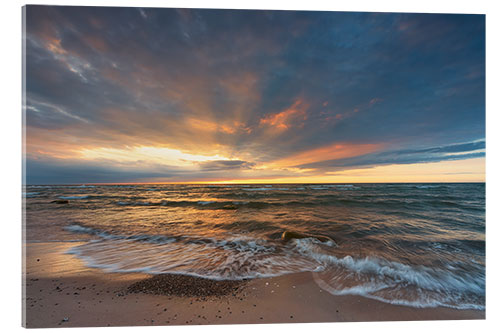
[(294, 116)]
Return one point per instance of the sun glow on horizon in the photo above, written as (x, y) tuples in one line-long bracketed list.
[(460, 171), (471, 170), (159, 155)]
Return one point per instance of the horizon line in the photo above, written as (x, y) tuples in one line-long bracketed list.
[(243, 183)]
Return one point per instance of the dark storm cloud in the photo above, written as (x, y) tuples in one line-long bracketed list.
[(252, 85), (225, 165)]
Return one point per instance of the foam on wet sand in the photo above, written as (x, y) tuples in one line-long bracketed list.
[(61, 292)]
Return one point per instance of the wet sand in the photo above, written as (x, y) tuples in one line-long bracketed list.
[(60, 291)]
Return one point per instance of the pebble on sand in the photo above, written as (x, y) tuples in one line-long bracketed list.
[(183, 285)]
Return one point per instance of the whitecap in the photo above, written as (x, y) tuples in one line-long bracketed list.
[(266, 189)]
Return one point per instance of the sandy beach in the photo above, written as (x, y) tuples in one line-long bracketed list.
[(60, 291)]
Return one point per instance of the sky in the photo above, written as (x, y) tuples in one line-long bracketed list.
[(144, 95)]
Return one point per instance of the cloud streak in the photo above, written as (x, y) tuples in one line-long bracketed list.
[(409, 156)]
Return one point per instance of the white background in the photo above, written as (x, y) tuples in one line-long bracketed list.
[(11, 135)]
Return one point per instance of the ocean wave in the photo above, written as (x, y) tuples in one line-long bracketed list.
[(320, 200), (422, 187), (155, 239), (245, 256), (192, 260), (378, 291), (215, 204), (336, 187), (81, 229), (234, 258), (74, 197), (260, 189), (398, 283), (240, 243), (240, 202), (204, 203)]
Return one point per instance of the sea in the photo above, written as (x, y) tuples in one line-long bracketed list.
[(419, 245)]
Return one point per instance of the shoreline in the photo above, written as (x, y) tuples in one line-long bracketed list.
[(62, 292)]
